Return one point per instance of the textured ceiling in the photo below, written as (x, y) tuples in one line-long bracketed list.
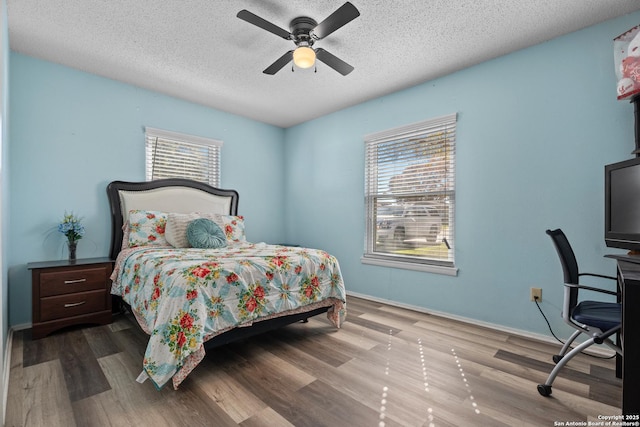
[(200, 51)]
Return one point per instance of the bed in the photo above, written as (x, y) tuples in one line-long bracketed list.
[(193, 299)]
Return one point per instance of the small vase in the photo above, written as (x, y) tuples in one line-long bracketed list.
[(72, 251)]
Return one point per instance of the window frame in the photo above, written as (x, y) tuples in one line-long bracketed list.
[(395, 138), (153, 136)]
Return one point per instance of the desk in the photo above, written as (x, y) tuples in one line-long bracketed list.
[(629, 281)]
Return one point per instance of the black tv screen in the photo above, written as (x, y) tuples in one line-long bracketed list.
[(622, 205)]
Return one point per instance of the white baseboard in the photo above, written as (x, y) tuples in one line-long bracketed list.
[(601, 351), (6, 372), (21, 327)]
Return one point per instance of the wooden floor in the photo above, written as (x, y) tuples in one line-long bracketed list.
[(386, 367)]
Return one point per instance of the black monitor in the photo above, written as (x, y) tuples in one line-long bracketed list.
[(622, 205)]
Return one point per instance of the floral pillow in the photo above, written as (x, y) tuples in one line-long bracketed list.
[(146, 228), (233, 227), (125, 236)]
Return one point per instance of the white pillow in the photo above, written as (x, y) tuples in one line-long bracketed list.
[(176, 230)]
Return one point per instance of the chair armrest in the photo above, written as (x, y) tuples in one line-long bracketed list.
[(591, 288), (598, 275), (619, 293)]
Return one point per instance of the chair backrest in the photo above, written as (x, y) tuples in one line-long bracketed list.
[(568, 261)]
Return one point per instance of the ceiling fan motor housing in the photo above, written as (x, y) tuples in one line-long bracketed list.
[(301, 28)]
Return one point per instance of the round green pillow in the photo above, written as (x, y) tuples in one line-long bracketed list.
[(203, 233)]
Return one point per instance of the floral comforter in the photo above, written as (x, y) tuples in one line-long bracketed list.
[(183, 297)]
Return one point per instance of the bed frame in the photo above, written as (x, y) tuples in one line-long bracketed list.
[(184, 196)]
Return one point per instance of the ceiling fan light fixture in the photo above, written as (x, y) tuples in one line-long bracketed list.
[(304, 57)]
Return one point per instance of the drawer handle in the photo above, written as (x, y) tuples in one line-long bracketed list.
[(70, 282), (74, 304)]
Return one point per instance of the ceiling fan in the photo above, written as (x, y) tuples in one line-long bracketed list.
[(304, 32)]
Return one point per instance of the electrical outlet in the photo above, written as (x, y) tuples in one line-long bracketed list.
[(536, 294)]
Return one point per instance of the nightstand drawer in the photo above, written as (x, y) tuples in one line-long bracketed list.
[(59, 282), (62, 306)]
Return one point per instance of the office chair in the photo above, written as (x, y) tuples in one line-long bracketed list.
[(598, 320)]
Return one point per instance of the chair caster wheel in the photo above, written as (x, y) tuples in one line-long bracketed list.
[(557, 358), (544, 390)]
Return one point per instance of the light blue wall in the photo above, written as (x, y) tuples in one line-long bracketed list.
[(73, 132), (535, 129), (4, 171)]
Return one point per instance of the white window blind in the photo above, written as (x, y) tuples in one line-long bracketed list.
[(176, 155), (410, 194)]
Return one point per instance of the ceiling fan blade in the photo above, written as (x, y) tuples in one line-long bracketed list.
[(254, 19), (343, 15), (333, 61), (280, 62)]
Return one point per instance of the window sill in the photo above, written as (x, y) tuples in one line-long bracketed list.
[(406, 265)]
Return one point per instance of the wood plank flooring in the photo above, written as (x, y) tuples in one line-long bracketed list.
[(386, 367)]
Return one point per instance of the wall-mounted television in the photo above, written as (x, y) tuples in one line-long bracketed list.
[(622, 205)]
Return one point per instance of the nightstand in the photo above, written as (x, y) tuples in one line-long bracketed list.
[(68, 293)]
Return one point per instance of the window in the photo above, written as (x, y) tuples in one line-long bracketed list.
[(410, 196), (176, 155)]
